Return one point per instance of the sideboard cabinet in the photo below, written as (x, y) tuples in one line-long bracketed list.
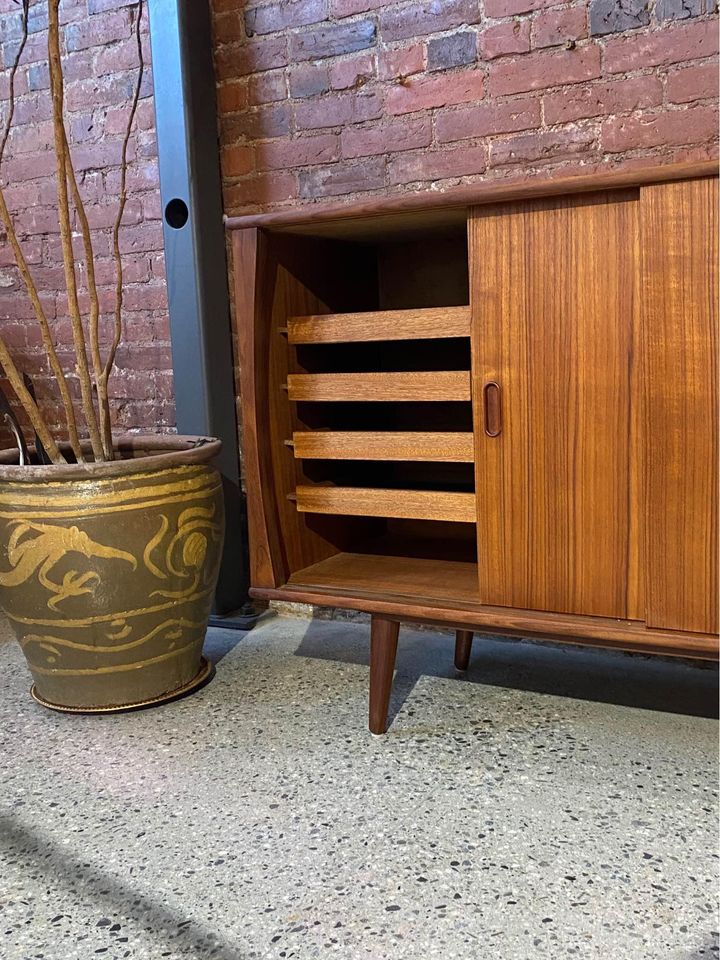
[(494, 410)]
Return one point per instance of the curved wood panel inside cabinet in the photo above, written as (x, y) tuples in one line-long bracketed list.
[(267, 566)]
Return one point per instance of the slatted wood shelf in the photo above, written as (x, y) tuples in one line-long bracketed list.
[(440, 385), (371, 502), (422, 324), (384, 445)]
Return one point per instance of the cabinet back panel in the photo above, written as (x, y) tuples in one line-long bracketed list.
[(554, 318)]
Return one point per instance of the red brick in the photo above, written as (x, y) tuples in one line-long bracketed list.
[(401, 62), (118, 58), (228, 27), (547, 69), (337, 110), (699, 82), (100, 92), (106, 153), (104, 214), (32, 251), (552, 28), (669, 44), (675, 127), (145, 296), (488, 118), (355, 72), (32, 109), (232, 97), (419, 19), (602, 98), (267, 87), (298, 152), (511, 8), (31, 138), (238, 160), (135, 270), (541, 147), (258, 123), (141, 238), (390, 138), (116, 119), (428, 165), (258, 191), (149, 356), (423, 93), (502, 39), (343, 178)]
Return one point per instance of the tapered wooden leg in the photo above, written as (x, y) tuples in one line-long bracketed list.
[(383, 647), (463, 646)]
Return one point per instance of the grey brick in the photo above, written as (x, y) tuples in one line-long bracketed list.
[(343, 178), (281, 16), (683, 9), (333, 40), (38, 76), (443, 53), (616, 16)]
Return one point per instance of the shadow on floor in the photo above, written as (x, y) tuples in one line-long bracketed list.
[(110, 896), (219, 642), (563, 670)]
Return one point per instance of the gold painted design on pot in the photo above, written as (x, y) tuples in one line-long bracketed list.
[(51, 642), (105, 618), (112, 668), (43, 552)]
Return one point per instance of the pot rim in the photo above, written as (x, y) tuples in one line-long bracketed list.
[(141, 453)]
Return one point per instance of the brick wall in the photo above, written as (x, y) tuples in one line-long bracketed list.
[(100, 58), (340, 99)]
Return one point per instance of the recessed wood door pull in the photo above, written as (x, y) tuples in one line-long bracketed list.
[(492, 408)]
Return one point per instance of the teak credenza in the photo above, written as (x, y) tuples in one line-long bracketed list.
[(493, 408)]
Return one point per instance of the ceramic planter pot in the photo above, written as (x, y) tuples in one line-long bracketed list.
[(108, 570)]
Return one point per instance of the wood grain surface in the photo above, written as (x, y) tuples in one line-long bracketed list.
[(419, 324), (372, 502), (554, 310), (680, 296), (440, 385), (384, 445)]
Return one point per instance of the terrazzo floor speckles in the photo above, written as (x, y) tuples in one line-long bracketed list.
[(530, 811)]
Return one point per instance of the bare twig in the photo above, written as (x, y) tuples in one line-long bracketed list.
[(118, 220), (56, 88), (22, 263), (29, 405), (13, 73), (93, 323)]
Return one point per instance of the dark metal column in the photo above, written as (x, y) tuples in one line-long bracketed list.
[(190, 188)]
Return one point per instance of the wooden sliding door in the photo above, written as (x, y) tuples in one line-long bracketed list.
[(680, 294), (554, 293)]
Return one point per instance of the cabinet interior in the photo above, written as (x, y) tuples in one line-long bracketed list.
[(416, 438)]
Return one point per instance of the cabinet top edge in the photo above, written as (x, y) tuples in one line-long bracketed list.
[(452, 204)]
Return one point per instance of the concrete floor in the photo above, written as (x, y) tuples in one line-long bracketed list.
[(557, 803)]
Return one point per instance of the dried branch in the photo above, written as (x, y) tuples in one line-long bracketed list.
[(118, 220), (29, 405), (93, 323), (13, 73), (22, 263), (56, 89)]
